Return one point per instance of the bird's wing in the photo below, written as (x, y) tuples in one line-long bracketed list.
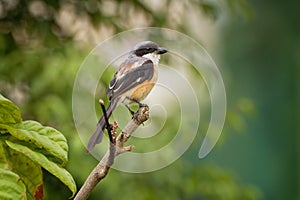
[(130, 79)]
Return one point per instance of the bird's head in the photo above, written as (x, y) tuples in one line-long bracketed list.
[(148, 49)]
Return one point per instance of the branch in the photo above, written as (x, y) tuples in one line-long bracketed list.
[(108, 126), (102, 169)]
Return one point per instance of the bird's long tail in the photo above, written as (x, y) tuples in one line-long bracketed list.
[(98, 134)]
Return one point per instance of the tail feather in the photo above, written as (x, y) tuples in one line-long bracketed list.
[(98, 134)]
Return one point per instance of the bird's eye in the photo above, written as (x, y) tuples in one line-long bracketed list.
[(150, 49), (144, 50)]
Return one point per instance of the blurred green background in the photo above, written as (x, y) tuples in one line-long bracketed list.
[(254, 43)]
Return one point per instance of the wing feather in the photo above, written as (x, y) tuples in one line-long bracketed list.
[(131, 79)]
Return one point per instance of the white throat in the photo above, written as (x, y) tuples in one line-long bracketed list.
[(153, 57)]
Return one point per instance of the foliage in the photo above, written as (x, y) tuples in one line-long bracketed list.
[(181, 180), (25, 23), (26, 148), (38, 66)]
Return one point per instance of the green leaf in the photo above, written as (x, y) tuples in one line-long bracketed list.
[(4, 154), (48, 140), (9, 112), (11, 187), (62, 174), (29, 172)]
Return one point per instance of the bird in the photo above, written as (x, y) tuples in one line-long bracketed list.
[(131, 83)]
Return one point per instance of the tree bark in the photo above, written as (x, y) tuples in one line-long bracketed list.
[(116, 147)]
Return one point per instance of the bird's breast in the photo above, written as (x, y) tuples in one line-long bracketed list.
[(142, 90)]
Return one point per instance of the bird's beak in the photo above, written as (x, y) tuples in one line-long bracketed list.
[(161, 50)]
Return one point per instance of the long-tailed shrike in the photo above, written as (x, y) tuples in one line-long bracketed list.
[(131, 83)]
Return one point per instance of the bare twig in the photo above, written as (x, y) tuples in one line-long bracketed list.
[(102, 169), (108, 126)]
